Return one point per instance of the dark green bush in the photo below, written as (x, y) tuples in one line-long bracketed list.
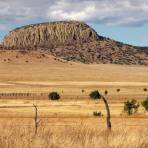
[(145, 104), (54, 96), (95, 94), (131, 106)]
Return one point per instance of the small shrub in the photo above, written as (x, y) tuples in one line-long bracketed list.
[(97, 113), (106, 92), (118, 90), (43, 55), (131, 106), (83, 90), (145, 89), (54, 96), (145, 104), (95, 95)]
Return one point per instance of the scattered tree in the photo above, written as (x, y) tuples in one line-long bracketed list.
[(145, 89), (118, 90), (54, 96), (96, 95), (131, 106), (145, 104)]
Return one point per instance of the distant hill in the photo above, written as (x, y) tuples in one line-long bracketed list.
[(145, 49), (74, 41)]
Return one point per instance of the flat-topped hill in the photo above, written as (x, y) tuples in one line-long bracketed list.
[(74, 41), (49, 33)]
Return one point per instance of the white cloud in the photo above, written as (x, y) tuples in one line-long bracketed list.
[(72, 10), (110, 12)]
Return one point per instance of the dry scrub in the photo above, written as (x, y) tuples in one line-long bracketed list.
[(75, 136)]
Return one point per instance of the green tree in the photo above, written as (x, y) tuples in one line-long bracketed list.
[(131, 106), (54, 96), (95, 95), (145, 104)]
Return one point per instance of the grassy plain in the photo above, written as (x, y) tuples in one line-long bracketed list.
[(70, 121)]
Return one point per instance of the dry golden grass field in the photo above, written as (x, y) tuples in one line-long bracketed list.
[(27, 78)]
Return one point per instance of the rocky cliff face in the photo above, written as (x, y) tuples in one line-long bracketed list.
[(74, 41), (49, 33)]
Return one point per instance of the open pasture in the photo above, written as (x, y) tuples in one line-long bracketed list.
[(26, 79)]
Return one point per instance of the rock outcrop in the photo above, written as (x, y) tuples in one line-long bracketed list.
[(74, 41), (49, 33)]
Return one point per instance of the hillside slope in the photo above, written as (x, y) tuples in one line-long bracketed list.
[(37, 66), (74, 41)]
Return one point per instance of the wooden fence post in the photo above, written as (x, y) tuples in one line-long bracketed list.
[(36, 121)]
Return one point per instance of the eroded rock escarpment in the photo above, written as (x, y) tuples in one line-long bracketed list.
[(74, 41), (49, 33)]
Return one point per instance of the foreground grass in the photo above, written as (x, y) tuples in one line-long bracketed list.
[(75, 136)]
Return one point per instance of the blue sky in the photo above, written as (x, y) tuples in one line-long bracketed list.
[(125, 21), (131, 35)]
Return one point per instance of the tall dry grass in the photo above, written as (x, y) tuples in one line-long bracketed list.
[(74, 136)]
